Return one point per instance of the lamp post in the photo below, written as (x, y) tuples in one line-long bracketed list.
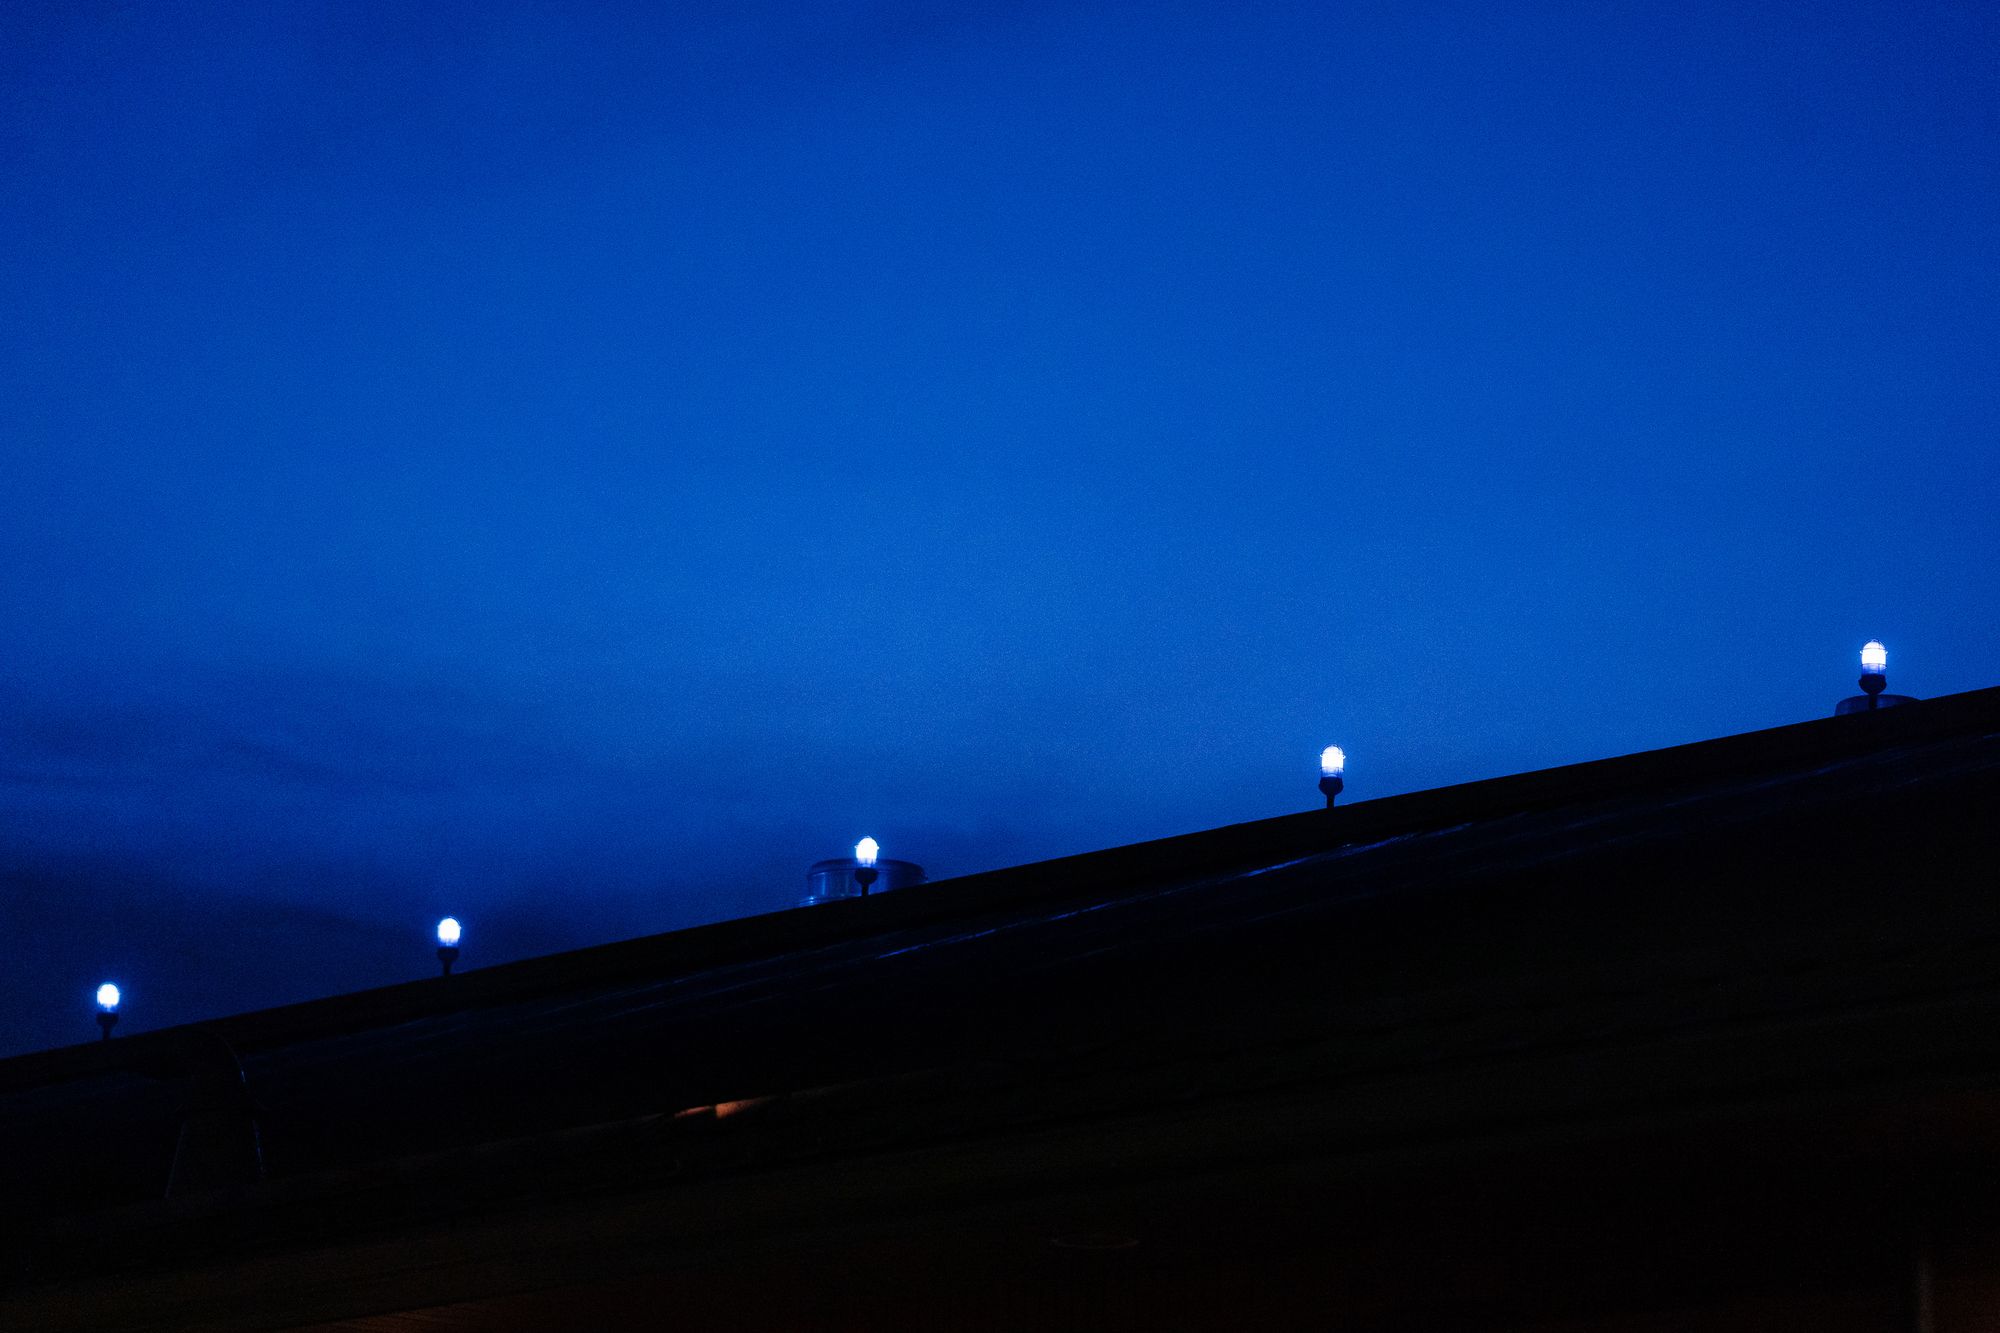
[(865, 853), (1332, 765), (449, 933), (107, 1009)]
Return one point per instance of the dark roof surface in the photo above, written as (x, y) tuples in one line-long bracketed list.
[(1757, 883)]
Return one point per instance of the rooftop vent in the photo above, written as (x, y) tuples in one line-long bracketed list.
[(829, 880)]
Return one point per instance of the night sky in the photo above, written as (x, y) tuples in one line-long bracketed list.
[(572, 466)]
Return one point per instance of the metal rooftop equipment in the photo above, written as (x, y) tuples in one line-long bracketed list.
[(840, 877)]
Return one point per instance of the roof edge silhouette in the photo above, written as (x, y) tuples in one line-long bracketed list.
[(1212, 851)]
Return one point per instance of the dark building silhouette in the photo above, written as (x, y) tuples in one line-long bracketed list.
[(1706, 1038)]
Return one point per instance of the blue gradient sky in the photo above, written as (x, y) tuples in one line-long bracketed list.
[(573, 469)]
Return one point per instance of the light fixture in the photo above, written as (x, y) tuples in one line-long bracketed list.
[(1874, 680), (107, 1008), (865, 853), (449, 932), (1874, 670), (1332, 771)]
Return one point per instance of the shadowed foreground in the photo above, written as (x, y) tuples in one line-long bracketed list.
[(1705, 1038)]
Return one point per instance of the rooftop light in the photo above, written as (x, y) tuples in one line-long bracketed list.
[(1874, 683), (107, 1009), (865, 872), (1332, 767), (449, 932)]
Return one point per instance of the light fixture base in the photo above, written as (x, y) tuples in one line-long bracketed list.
[(1869, 703)]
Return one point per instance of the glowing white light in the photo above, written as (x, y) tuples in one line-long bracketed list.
[(107, 998), (448, 932), (1332, 761), (866, 851), (1874, 659)]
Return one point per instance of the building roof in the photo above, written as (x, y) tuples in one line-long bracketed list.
[(1790, 917)]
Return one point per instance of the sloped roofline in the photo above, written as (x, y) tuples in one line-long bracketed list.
[(1213, 851)]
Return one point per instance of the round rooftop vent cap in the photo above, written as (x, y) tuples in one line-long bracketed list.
[(836, 878)]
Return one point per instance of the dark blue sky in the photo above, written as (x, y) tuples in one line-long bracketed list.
[(573, 466)]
